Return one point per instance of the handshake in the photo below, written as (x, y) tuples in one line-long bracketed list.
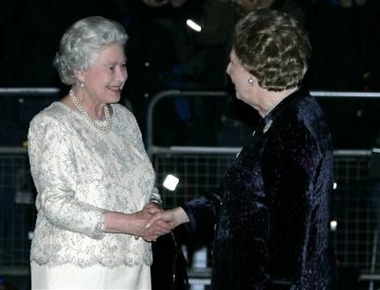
[(153, 222)]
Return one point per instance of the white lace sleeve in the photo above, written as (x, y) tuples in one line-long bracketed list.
[(54, 172)]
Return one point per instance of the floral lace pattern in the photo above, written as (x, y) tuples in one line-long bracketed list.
[(79, 173)]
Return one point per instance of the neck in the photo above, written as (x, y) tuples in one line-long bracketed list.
[(104, 128), (275, 99), (95, 111)]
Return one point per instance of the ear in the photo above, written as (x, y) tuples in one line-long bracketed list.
[(80, 76)]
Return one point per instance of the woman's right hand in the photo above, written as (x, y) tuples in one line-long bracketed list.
[(171, 218), (138, 224), (150, 229)]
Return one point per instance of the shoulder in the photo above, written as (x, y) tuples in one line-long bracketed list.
[(50, 131), (124, 116), (54, 113), (301, 105), (301, 114), (301, 123), (121, 111), (52, 123)]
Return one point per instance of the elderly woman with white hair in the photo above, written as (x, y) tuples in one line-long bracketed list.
[(95, 183)]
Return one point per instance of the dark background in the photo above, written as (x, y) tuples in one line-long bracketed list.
[(164, 54)]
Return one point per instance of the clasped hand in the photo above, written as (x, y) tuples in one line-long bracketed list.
[(155, 222)]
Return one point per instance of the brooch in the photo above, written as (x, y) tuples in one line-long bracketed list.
[(267, 126)]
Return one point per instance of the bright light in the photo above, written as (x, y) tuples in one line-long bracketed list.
[(333, 225), (170, 182), (193, 25), (335, 185)]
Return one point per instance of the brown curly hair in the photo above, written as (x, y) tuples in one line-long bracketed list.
[(273, 47)]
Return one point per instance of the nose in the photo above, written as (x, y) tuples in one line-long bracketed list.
[(122, 73), (228, 68)]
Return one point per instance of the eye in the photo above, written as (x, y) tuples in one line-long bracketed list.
[(111, 68)]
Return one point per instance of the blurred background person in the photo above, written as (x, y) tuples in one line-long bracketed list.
[(233, 120), (271, 215), (341, 35), (95, 183), (163, 57)]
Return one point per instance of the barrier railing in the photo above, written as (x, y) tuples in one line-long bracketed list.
[(18, 106), (199, 168)]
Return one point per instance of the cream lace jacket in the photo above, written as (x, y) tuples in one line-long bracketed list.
[(79, 172)]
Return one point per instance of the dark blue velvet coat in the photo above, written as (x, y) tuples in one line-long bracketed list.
[(272, 213)]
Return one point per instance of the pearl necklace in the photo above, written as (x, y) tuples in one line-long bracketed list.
[(102, 128)]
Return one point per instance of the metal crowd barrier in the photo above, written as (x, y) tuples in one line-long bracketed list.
[(199, 168)]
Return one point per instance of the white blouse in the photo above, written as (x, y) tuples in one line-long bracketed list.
[(79, 172)]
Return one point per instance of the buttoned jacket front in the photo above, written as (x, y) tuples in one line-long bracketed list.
[(272, 212)]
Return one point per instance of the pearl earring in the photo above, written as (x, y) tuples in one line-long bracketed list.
[(82, 85), (250, 81)]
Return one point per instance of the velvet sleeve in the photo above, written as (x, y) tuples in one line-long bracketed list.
[(203, 210)]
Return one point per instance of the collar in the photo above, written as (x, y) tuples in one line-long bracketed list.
[(276, 111)]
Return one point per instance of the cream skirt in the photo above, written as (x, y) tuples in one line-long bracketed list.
[(94, 277)]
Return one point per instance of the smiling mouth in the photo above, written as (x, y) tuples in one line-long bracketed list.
[(116, 89)]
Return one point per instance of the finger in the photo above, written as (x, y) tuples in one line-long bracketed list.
[(164, 225), (159, 229), (154, 233), (155, 217), (161, 232)]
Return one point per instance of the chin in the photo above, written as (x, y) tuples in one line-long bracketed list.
[(114, 97), (238, 96), (114, 100)]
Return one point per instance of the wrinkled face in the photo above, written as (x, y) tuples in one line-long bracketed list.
[(240, 76), (105, 78)]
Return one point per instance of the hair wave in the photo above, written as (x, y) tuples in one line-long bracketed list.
[(82, 41), (273, 47)]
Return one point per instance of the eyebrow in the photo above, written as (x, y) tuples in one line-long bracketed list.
[(114, 62)]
